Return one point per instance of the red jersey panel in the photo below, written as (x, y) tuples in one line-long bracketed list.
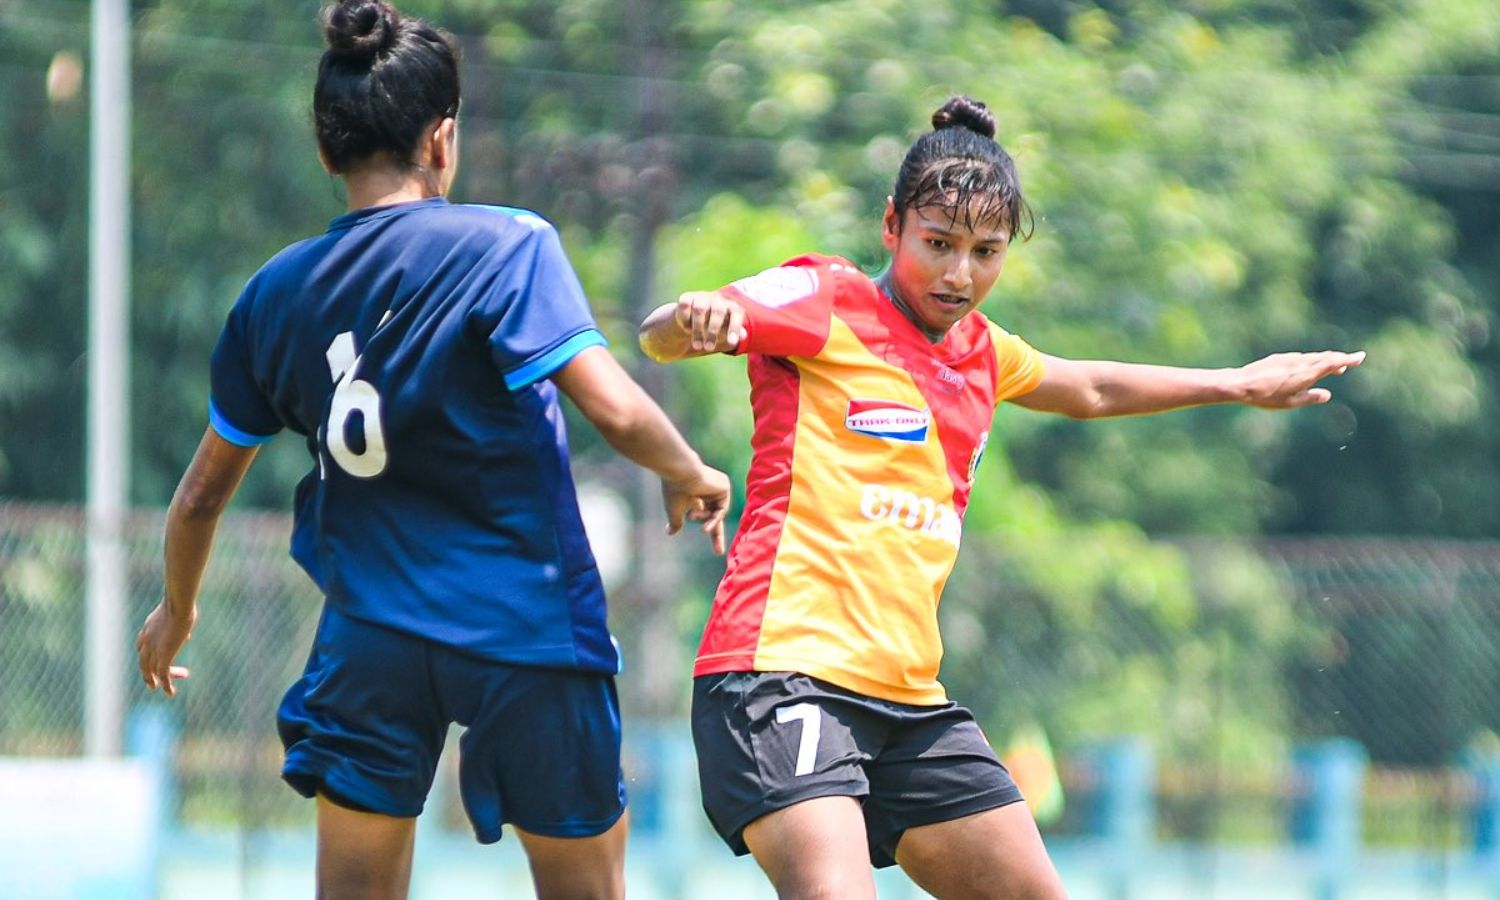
[(867, 436)]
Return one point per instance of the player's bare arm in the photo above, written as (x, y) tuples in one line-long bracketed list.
[(1091, 389), (206, 487), (697, 324), (634, 425)]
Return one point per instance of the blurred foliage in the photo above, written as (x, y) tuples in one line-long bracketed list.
[(1214, 180), (1096, 630)]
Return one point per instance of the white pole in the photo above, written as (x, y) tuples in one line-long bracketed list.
[(109, 376)]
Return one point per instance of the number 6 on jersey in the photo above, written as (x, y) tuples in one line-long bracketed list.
[(350, 396)]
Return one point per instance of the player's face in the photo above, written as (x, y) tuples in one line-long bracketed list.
[(941, 266)]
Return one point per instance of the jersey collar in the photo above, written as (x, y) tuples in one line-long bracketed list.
[(370, 213)]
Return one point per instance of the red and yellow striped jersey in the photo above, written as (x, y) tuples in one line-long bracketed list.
[(866, 440)]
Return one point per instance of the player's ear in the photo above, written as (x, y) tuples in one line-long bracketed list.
[(442, 143), (890, 225)]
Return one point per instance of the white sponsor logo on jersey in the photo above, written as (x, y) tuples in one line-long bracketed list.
[(923, 515), (888, 419), (775, 288)]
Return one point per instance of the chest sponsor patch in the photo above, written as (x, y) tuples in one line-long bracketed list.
[(888, 420)]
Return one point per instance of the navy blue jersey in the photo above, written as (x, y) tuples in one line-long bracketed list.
[(410, 345)]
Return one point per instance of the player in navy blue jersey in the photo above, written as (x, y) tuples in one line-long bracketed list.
[(419, 347)]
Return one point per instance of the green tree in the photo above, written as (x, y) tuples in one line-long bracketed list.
[(1213, 181)]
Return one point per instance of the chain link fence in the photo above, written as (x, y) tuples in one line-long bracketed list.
[(1222, 656), (259, 614)]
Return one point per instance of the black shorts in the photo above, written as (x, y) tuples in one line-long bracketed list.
[(767, 740)]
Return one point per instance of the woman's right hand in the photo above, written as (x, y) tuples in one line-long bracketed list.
[(703, 497), (715, 323)]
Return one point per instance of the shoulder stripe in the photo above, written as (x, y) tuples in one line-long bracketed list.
[(535, 370)]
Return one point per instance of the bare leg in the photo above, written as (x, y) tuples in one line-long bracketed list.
[(588, 868), (362, 855), (993, 855), (815, 849)]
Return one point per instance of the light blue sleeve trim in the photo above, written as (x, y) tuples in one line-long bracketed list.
[(524, 216), (531, 372), (231, 434)]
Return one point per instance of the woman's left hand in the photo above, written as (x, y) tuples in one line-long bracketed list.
[(157, 645), (1285, 380)]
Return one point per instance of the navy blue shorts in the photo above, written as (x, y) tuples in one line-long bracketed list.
[(365, 724)]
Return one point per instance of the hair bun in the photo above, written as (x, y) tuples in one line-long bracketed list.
[(965, 112), (359, 29)]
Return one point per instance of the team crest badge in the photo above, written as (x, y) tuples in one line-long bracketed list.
[(984, 440)]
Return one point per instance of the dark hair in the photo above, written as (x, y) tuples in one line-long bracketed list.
[(382, 80), (957, 163)]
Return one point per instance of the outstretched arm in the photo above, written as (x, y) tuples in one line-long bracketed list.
[(1090, 389), (697, 324), (634, 425), (206, 487)]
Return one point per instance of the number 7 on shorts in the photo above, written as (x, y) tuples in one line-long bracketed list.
[(812, 724)]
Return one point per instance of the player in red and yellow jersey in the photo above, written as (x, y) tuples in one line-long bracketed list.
[(824, 739), (865, 443)]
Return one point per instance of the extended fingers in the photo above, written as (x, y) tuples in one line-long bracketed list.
[(689, 315), (725, 325), (708, 321), (716, 535), (145, 661), (711, 507), (1306, 369), (736, 330), (675, 513), (715, 513), (1325, 364), (718, 314), (1309, 397), (158, 674), (712, 322), (713, 524), (159, 677), (701, 314), (1336, 363), (174, 673), (685, 305)]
